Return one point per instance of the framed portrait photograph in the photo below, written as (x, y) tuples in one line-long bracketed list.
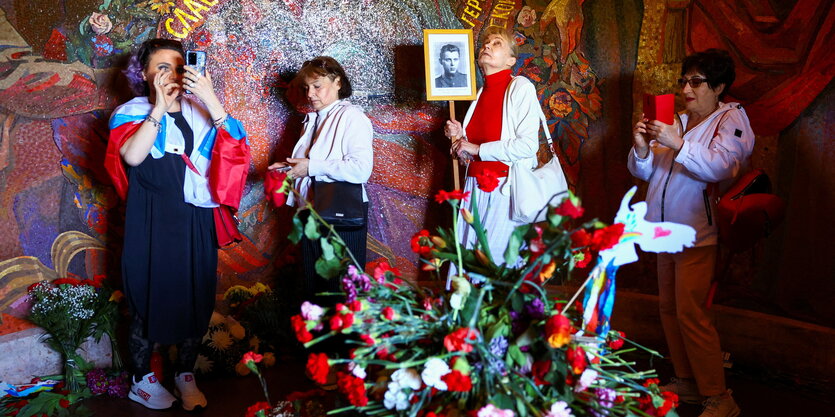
[(449, 64)]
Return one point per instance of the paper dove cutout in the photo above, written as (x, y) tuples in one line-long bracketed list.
[(599, 298), (652, 237)]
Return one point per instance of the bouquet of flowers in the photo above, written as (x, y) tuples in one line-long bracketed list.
[(71, 310), (492, 342)]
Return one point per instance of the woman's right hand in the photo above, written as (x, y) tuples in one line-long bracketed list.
[(453, 129), (640, 137), (277, 165), (166, 90)]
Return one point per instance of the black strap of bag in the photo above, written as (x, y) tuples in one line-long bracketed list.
[(339, 203)]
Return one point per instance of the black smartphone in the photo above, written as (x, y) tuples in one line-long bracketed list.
[(196, 60)]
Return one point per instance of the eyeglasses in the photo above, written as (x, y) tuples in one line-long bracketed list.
[(694, 82)]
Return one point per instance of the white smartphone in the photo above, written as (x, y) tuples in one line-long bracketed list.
[(196, 60)]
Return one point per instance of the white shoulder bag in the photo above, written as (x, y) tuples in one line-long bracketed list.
[(531, 191)]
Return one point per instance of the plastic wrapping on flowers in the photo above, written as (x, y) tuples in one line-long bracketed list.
[(489, 341)]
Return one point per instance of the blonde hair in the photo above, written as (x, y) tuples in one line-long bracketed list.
[(505, 34)]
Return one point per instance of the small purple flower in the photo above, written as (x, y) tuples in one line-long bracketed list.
[(498, 347), (606, 399), (97, 381), (535, 309), (119, 386), (354, 282)]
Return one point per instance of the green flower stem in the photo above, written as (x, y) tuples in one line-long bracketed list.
[(331, 231), (318, 339), (263, 383), (455, 215)]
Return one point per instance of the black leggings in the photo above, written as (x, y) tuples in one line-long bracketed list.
[(142, 348)]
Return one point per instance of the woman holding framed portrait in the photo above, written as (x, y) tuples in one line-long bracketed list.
[(500, 135)]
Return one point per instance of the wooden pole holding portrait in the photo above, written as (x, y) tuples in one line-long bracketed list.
[(450, 72)]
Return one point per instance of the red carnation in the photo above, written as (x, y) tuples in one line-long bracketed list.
[(273, 188), (69, 281), (421, 243), (582, 263), (64, 403), (388, 313), (253, 410), (451, 195), (457, 381), (367, 339), (251, 357), (580, 239), (355, 305), (617, 342), (567, 208), (353, 388), (459, 340), (318, 367), (380, 269), (539, 370), (558, 331), (607, 237), (300, 327), (487, 180), (576, 358)]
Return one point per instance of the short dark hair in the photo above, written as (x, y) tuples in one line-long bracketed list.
[(325, 66), (716, 65), (139, 62), (449, 48)]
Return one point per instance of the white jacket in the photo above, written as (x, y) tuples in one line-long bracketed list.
[(521, 117), (342, 150), (678, 181)]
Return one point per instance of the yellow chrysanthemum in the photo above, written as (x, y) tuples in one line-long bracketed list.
[(220, 340), (254, 343), (258, 288), (203, 364), (237, 331), (242, 369), (269, 359)]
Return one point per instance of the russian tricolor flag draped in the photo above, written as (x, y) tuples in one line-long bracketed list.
[(221, 155)]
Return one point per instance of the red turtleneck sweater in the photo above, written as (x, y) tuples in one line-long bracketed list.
[(486, 123)]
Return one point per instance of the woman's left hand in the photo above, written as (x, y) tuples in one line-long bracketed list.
[(199, 85), (665, 134), (299, 169), (464, 146)]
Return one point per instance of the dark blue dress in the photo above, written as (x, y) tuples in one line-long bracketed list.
[(169, 263)]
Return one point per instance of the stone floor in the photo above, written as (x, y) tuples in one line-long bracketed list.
[(757, 395)]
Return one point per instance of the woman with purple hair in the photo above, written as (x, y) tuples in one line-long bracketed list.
[(158, 156)]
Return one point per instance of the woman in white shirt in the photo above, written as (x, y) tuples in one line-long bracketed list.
[(335, 146), (681, 166)]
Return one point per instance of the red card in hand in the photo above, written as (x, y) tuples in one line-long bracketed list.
[(659, 108)]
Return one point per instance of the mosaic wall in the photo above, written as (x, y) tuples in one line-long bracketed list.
[(60, 80)]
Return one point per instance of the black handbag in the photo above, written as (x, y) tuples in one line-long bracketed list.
[(339, 203)]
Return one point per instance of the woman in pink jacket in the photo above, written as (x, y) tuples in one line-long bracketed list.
[(710, 143)]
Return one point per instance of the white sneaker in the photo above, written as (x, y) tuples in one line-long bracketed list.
[(150, 393), (686, 389), (720, 406), (188, 392)]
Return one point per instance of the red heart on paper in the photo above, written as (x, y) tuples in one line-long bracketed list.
[(661, 232)]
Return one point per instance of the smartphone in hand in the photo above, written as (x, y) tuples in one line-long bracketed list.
[(196, 60), (659, 108)]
